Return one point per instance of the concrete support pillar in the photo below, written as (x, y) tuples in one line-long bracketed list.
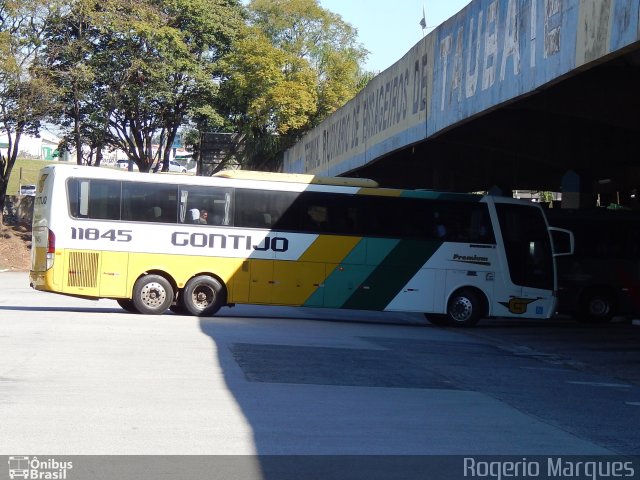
[(577, 191)]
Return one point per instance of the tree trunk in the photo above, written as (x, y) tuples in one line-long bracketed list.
[(6, 165), (76, 128), (99, 148)]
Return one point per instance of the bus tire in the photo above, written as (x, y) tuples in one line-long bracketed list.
[(152, 295), (127, 305), (465, 308), (203, 296), (596, 306)]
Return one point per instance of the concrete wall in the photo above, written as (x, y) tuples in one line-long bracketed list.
[(490, 53)]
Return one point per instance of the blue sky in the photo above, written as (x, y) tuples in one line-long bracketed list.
[(389, 28)]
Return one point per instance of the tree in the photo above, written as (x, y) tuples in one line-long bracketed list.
[(67, 55), (151, 64), (26, 95), (293, 65), (272, 91)]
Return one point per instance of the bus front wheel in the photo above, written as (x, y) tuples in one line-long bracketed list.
[(203, 295), (152, 295), (464, 309)]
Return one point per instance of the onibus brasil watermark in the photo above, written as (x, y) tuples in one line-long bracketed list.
[(551, 467), (38, 468)]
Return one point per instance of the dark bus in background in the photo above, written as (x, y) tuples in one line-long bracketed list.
[(601, 279)]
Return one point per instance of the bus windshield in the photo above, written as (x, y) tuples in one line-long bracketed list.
[(527, 246)]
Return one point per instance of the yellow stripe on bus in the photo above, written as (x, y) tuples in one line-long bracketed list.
[(297, 178), (380, 192), (329, 249)]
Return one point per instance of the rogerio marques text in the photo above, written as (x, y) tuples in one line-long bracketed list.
[(551, 467)]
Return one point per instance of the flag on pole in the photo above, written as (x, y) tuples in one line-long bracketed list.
[(423, 22)]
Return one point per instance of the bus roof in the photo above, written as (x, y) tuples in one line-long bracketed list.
[(297, 178), (288, 181)]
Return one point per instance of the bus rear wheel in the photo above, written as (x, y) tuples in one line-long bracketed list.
[(152, 295), (596, 306), (464, 308), (203, 295)]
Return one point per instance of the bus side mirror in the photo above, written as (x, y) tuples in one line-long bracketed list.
[(563, 241)]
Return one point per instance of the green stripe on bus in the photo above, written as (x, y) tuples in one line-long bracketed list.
[(349, 275), (390, 276), (466, 197)]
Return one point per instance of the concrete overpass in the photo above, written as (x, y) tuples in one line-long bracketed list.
[(514, 93)]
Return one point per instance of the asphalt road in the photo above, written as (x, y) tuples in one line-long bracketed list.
[(84, 377)]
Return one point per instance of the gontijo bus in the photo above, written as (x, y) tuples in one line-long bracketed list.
[(288, 239)]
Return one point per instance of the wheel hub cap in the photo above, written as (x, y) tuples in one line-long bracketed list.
[(153, 295), (462, 309), (203, 297)]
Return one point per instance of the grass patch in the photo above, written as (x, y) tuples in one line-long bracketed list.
[(25, 172)]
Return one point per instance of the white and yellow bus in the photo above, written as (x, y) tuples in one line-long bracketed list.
[(283, 239)]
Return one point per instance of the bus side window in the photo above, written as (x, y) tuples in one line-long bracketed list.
[(265, 209), (317, 217), (149, 202), (73, 193), (104, 200), (216, 214), (97, 199), (155, 214), (480, 229), (328, 212)]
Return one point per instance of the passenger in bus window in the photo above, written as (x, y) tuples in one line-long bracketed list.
[(204, 217), (318, 216)]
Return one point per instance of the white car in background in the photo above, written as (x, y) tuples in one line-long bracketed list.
[(124, 164), (176, 167)]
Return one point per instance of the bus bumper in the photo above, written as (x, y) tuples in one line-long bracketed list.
[(42, 281)]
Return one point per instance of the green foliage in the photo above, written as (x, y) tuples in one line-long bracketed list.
[(318, 39), (149, 65), (546, 197), (123, 74), (26, 96), (292, 66), (270, 95)]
